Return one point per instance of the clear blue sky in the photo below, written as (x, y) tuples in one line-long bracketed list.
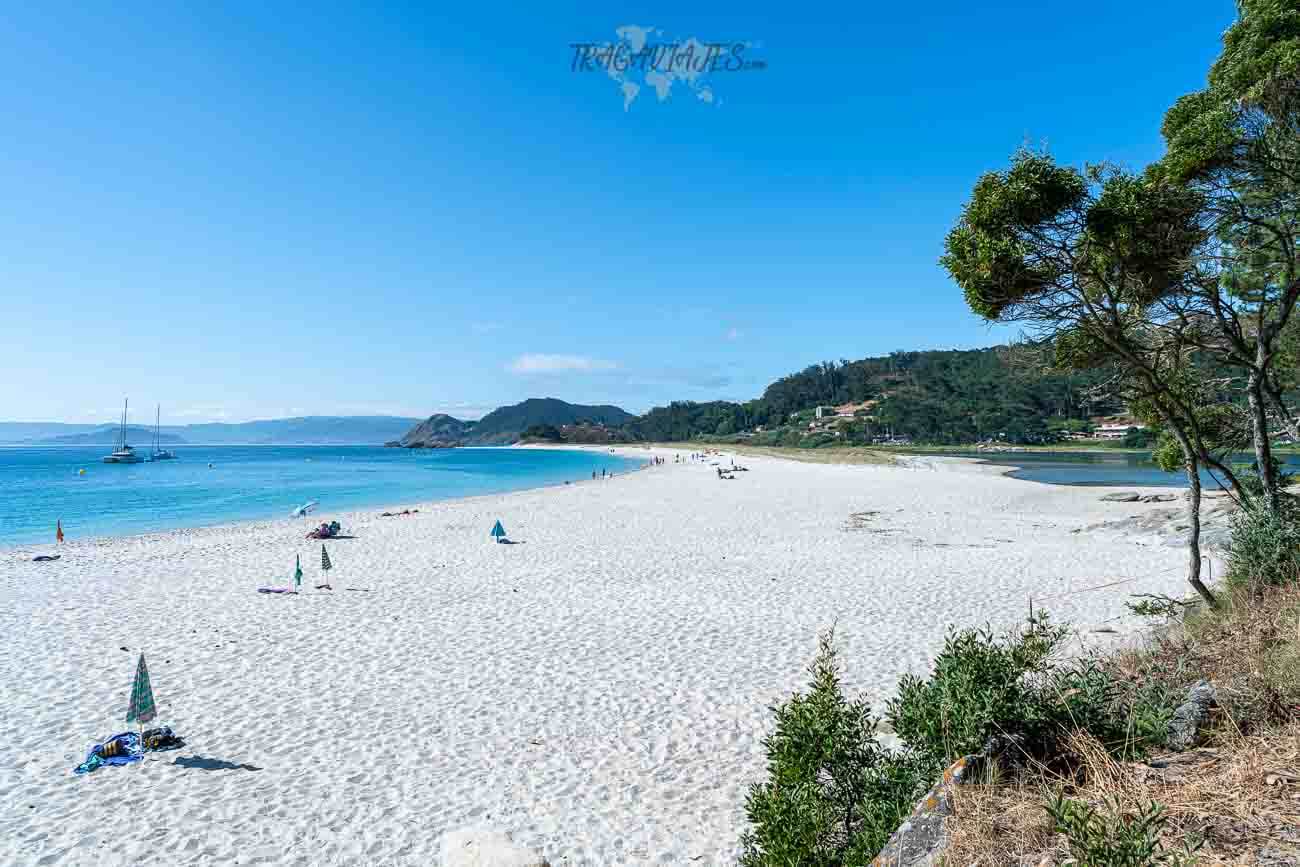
[(247, 211)]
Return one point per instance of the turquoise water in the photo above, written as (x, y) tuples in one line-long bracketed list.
[(1101, 468), (39, 486)]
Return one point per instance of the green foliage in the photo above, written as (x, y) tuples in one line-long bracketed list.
[(1210, 130), (543, 432), (985, 252), (1251, 483), (1168, 454), (979, 688), (1156, 606), (504, 424), (1084, 695), (1116, 838), (685, 420), (941, 397), (1265, 547), (815, 441), (833, 795), (1143, 230), (985, 686), (1139, 438)]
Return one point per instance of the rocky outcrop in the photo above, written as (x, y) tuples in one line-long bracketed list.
[(1168, 525), (920, 841), (1121, 497), (1191, 716), (436, 431), (485, 847)]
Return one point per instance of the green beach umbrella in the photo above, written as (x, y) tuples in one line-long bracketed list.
[(141, 709), (325, 564), (297, 571), (498, 531)]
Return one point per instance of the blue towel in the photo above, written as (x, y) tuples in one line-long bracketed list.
[(127, 749)]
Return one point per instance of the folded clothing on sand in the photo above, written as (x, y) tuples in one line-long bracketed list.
[(162, 738)]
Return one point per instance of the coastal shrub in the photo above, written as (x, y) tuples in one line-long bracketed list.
[(1157, 606), (1087, 697), (981, 687), (1253, 485), (816, 441), (1114, 838), (833, 794), (1009, 693), (1264, 548)]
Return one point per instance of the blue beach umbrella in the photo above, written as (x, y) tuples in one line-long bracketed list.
[(498, 531)]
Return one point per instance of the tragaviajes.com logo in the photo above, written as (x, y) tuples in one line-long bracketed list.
[(642, 58)]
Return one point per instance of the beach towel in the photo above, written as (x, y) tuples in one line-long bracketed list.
[(120, 749), (126, 748)]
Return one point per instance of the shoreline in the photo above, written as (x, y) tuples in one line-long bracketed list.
[(347, 512)]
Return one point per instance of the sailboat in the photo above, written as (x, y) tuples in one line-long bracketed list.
[(123, 454), (160, 453)]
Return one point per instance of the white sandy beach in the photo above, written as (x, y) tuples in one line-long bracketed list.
[(598, 692)]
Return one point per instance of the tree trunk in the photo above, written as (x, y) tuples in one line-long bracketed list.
[(1259, 433), (1284, 415), (1194, 527)]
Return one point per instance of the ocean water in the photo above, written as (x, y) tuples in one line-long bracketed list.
[(1102, 468), (39, 486)]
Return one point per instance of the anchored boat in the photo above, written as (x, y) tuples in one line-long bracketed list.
[(123, 454), (160, 453)]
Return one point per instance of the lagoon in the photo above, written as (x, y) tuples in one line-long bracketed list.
[(1098, 468)]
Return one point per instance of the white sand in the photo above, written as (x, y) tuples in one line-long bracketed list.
[(598, 692)]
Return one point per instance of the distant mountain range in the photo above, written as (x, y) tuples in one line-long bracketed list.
[(505, 424), (107, 435), (309, 430), (502, 426)]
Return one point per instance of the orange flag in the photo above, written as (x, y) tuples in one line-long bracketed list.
[(58, 531)]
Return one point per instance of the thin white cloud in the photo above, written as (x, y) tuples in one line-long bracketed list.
[(537, 362), (212, 413)]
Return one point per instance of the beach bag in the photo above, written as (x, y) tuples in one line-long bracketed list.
[(162, 738)]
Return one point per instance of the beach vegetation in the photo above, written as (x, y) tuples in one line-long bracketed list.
[(833, 794), (1111, 836), (1264, 549), (1013, 693)]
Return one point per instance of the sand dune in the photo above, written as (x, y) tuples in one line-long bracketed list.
[(599, 692)]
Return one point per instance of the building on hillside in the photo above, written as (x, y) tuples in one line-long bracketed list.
[(850, 410), (1115, 430)]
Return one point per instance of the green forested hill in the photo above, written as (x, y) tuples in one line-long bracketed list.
[(933, 396), (505, 424)]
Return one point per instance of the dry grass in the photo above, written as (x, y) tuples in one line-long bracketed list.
[(829, 455), (1250, 651), (1239, 796)]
